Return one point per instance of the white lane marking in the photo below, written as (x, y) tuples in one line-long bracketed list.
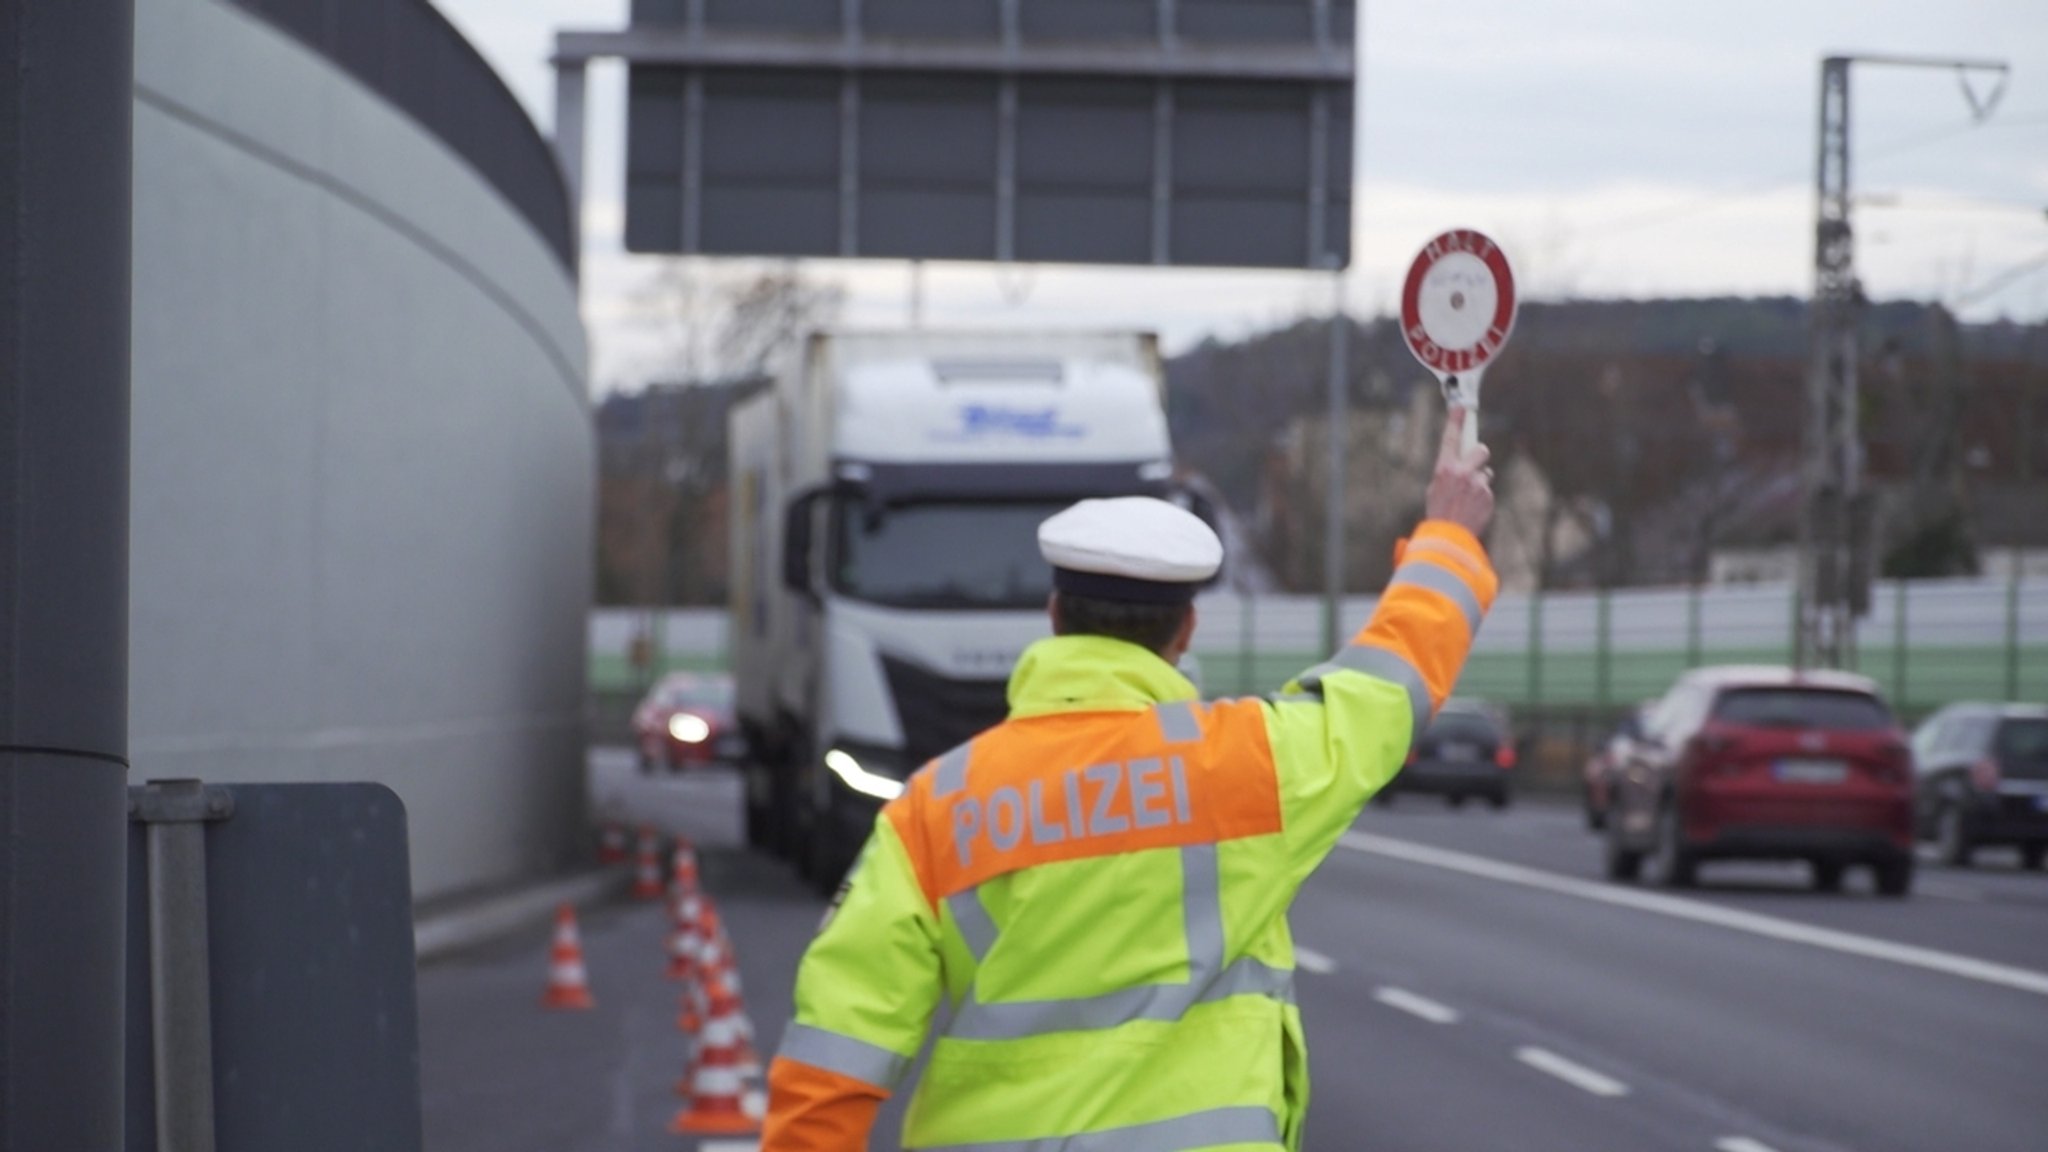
[(1741, 1144), (1699, 912), (1415, 1005), (1577, 1075), (1310, 960), (743, 1146)]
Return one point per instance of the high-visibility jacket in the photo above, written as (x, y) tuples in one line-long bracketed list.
[(1097, 889)]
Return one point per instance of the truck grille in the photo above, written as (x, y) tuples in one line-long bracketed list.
[(940, 713)]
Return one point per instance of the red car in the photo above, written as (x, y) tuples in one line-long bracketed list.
[(686, 720), (1772, 764)]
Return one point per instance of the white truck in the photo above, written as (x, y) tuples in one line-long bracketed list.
[(886, 496)]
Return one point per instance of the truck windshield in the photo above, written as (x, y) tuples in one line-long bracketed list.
[(944, 555)]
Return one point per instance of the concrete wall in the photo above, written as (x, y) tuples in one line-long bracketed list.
[(362, 504)]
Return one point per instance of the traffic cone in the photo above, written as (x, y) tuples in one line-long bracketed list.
[(682, 940), (720, 1099), (688, 1021), (683, 872), (647, 878), (718, 965), (568, 982), (611, 844)]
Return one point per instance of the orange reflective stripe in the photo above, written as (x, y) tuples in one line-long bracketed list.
[(1073, 786), (1458, 563), (1419, 623), (814, 1110), (1455, 544)]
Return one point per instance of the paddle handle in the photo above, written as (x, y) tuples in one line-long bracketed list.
[(1463, 392)]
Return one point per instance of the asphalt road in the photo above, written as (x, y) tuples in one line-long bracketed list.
[(1468, 984)]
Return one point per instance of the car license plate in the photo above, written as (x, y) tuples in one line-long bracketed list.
[(1811, 771), (1461, 753)]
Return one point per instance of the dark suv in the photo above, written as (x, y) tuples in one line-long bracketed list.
[(1766, 763), (1982, 773), (1466, 751)]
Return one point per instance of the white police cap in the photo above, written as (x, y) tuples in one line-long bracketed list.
[(1131, 548)]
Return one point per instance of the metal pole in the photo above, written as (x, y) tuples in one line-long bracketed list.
[(180, 975), (1536, 648), (1335, 424), (569, 133), (67, 75)]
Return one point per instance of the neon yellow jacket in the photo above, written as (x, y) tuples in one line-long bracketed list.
[(1098, 889)]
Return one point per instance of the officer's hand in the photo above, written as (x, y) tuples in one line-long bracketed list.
[(1461, 490)]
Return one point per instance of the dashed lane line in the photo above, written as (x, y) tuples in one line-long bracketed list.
[(1310, 960), (1741, 1144), (1423, 1006), (729, 1146), (1700, 912), (1577, 1075)]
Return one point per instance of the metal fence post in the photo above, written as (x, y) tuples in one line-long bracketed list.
[(1246, 638), (1536, 648), (1603, 646), (1692, 627), (2012, 627), (1899, 661)]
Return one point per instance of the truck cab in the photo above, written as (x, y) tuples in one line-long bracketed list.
[(887, 498)]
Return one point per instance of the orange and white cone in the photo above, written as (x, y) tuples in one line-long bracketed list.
[(721, 1098), (647, 874), (718, 966), (611, 844), (683, 872), (568, 982), (682, 939)]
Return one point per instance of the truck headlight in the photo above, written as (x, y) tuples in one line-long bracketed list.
[(688, 728), (867, 783)]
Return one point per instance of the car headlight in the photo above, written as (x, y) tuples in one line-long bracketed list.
[(867, 783), (688, 728)]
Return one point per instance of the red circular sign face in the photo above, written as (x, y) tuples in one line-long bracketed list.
[(1458, 304)]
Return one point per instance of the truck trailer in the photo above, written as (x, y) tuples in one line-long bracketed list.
[(886, 495)]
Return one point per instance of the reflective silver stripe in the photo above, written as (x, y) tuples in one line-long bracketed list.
[(1249, 977), (975, 926), (1178, 723), (951, 774), (1462, 560), (834, 1052), (1018, 1019), (1437, 578), (1201, 903), (1244, 1124), (1383, 664)]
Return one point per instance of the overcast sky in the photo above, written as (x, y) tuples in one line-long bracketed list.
[(1617, 148)]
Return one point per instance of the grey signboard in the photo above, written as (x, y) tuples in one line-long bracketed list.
[(313, 1025), (1206, 132)]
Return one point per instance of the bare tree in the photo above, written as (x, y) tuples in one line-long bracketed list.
[(717, 323)]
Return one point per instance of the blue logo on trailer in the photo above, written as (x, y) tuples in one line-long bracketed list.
[(982, 420)]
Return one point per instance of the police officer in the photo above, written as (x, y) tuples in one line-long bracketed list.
[(1097, 888)]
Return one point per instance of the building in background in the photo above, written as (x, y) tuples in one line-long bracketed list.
[(363, 478)]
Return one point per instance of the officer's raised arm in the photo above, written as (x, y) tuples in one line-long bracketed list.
[(1348, 722)]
